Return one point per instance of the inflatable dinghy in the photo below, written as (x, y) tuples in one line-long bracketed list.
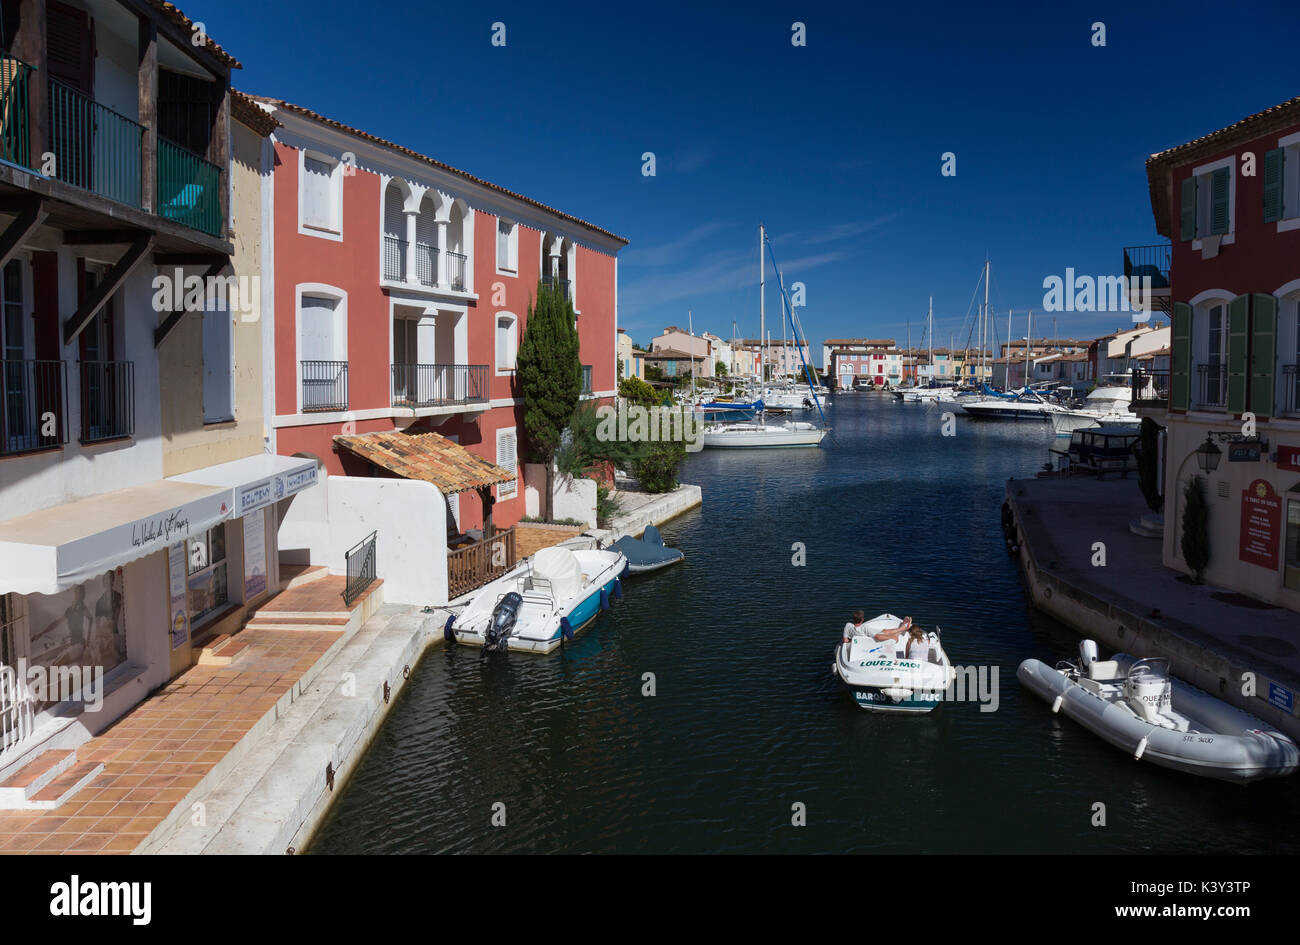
[(646, 553), (1137, 706), (882, 678)]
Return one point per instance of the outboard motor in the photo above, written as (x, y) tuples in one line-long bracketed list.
[(504, 616), (1087, 653), (1149, 692)]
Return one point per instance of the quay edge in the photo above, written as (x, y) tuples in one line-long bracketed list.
[(1119, 624)]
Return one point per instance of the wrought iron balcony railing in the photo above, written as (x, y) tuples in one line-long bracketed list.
[(94, 147), (15, 78), (564, 286), (456, 271), (189, 189), (1150, 388), (32, 412), (426, 264), (436, 385), (324, 386), (360, 562), (107, 400), (394, 259), (1212, 385)]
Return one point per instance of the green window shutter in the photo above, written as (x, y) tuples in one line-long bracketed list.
[(1263, 367), (1273, 161), (1219, 200), (1238, 326), (1189, 209), (1180, 365)]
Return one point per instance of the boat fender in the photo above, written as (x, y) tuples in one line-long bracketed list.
[(1056, 704), (566, 628), (604, 599), (618, 589), (447, 633), (1142, 747), (627, 569)]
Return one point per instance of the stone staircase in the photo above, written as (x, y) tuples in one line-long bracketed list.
[(47, 781)]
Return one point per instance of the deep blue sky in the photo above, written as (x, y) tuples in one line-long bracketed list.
[(835, 146)]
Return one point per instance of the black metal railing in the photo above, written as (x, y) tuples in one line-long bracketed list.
[(394, 259), (1290, 390), (360, 564), (107, 400), (563, 285), (432, 385), (94, 147), (1212, 386), (1150, 388), (456, 271), (189, 188), (33, 416), (426, 263), (1150, 261), (15, 143), (586, 378), (324, 385)]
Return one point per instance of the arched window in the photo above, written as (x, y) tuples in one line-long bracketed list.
[(507, 343), (394, 233)]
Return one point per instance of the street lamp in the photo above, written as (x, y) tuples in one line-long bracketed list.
[(1208, 455)]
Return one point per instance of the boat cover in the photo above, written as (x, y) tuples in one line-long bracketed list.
[(647, 552), (560, 567)]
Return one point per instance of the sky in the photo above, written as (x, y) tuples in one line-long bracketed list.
[(836, 146)]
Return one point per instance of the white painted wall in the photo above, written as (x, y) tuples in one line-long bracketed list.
[(572, 498)]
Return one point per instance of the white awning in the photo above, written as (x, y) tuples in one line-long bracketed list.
[(57, 548)]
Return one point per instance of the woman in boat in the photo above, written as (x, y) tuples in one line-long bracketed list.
[(917, 645)]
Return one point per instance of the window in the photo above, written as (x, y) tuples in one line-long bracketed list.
[(507, 246), (1214, 363), (1207, 201), (321, 193), (507, 460), (507, 345), (205, 566), (322, 351), (218, 366), (1281, 176)]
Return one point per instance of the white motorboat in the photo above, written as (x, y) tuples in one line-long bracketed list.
[(882, 677), (1104, 407), (921, 395), (542, 603), (763, 433), (1027, 405), (1137, 706)]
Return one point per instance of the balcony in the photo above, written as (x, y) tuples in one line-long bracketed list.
[(1212, 386), (477, 564), (94, 148), (456, 271), (586, 378), (107, 400), (189, 189), (426, 264), (564, 286), (438, 385), (15, 142), (324, 386), (1148, 262), (395, 259), (32, 418), (1150, 388), (1290, 403)]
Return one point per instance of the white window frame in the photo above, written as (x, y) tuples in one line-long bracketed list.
[(1202, 304), (513, 488), (514, 343), (1205, 202), (512, 248), (340, 329), (335, 230), (1286, 341)]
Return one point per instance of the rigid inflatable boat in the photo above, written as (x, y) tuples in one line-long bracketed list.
[(1136, 705), (646, 553), (548, 600), (882, 678)]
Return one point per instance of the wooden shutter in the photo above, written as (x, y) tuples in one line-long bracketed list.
[(1219, 189), (1273, 191), (1263, 355), (70, 46), (1238, 330), (1188, 230), (1180, 365), (218, 366), (506, 459)]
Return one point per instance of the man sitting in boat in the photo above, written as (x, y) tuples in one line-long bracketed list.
[(857, 628)]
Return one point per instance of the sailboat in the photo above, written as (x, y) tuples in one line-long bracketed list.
[(760, 432)]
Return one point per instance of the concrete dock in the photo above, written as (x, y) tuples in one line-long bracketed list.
[(1212, 637)]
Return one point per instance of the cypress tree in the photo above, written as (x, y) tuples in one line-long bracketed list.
[(549, 370), (1196, 529), (1148, 457)]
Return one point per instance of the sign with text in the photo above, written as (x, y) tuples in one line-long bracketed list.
[(1288, 457), (1281, 697), (1261, 525), (180, 612), (254, 554)]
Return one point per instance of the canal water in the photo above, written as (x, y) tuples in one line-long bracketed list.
[(747, 727)]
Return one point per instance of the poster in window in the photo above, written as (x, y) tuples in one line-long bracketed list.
[(180, 615), (83, 626), (254, 554)]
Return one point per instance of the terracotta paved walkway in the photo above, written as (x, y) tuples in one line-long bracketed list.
[(156, 754)]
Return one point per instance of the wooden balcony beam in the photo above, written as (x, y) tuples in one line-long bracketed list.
[(88, 309), (173, 318), (31, 214), (102, 237)]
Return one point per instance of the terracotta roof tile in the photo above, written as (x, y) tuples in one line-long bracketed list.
[(173, 13), (248, 112), (428, 457)]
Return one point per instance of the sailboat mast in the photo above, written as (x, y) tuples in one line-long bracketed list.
[(690, 326), (762, 313), (986, 312), (929, 318)]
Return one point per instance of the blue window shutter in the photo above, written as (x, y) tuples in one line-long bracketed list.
[(1188, 229)]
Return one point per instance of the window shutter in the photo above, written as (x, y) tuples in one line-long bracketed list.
[(1180, 365), (1188, 231), (1273, 163), (1219, 200), (316, 193), (506, 460), (1263, 358), (1238, 327), (218, 370)]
